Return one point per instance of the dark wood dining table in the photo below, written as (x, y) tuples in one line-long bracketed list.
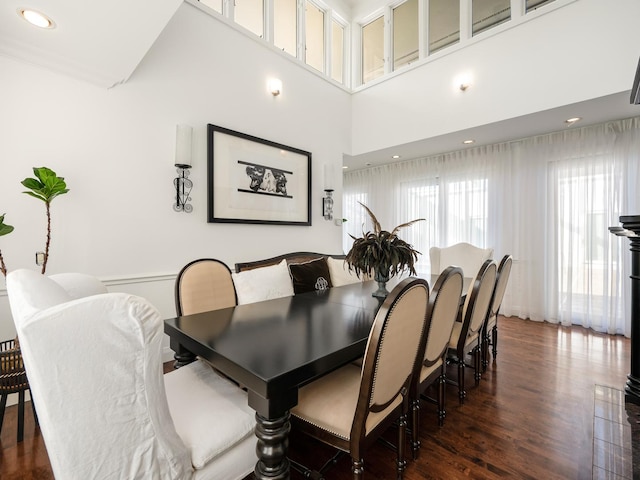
[(274, 347)]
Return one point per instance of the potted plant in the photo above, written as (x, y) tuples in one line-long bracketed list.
[(46, 186), (382, 254)]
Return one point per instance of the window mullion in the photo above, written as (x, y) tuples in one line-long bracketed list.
[(423, 29), (268, 20), (302, 31), (327, 42), (228, 9), (465, 19), (388, 40)]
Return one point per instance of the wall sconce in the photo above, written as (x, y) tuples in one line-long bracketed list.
[(327, 204), (327, 200), (275, 87), (182, 183)]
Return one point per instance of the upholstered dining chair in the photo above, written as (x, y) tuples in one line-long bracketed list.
[(466, 335), (94, 364), (490, 328), (464, 255), (442, 311), (202, 285), (352, 407)]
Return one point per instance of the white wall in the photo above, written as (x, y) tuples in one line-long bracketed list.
[(115, 148), (586, 49)]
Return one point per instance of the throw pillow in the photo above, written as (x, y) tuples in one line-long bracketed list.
[(310, 276), (340, 274), (263, 283)]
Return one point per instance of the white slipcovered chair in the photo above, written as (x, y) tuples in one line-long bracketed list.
[(106, 411), (464, 255)]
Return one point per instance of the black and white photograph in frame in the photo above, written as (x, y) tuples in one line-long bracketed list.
[(253, 180)]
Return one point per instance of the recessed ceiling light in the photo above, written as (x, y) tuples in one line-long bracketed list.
[(571, 121), (36, 18), (368, 164), (344, 167), (395, 156), (469, 142)]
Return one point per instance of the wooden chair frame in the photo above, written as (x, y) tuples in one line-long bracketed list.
[(490, 338), (418, 387), (476, 311), (360, 440)]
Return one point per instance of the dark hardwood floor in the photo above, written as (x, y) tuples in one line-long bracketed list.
[(531, 417)]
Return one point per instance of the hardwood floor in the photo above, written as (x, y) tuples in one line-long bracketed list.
[(531, 417)]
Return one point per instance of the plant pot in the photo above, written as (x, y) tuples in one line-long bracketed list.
[(382, 277)]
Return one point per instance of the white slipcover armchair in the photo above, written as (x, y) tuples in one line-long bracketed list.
[(106, 411), (464, 255)]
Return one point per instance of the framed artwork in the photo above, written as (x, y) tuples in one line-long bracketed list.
[(252, 180)]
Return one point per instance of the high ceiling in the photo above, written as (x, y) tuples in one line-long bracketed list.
[(103, 43), (100, 42)]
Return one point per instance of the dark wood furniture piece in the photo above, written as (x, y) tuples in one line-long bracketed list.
[(631, 229), (13, 379), (293, 257), (275, 347)]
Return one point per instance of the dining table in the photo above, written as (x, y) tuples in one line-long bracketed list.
[(272, 348)]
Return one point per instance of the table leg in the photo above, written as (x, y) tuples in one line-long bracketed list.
[(273, 443), (182, 356)]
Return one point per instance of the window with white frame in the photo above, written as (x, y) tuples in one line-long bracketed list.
[(466, 207), (213, 4), (356, 218), (337, 51), (421, 199), (444, 24), (486, 14), (250, 14), (372, 54), (533, 4), (285, 25), (405, 33), (314, 36), (584, 188)]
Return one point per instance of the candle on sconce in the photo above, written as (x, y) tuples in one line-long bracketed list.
[(329, 177), (184, 135)]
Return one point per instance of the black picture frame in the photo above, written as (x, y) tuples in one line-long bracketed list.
[(253, 180)]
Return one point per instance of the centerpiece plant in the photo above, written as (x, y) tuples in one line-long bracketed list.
[(382, 254)]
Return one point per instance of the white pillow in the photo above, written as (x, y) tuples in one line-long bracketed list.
[(263, 283), (340, 274)]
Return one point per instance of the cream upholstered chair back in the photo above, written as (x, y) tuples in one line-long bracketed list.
[(444, 304), (391, 352), (204, 285), (464, 255), (477, 307), (504, 271), (95, 368)]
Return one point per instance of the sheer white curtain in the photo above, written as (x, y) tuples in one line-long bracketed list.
[(546, 200)]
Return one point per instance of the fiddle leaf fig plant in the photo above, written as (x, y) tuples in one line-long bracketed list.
[(381, 251), (45, 186), (4, 230)]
